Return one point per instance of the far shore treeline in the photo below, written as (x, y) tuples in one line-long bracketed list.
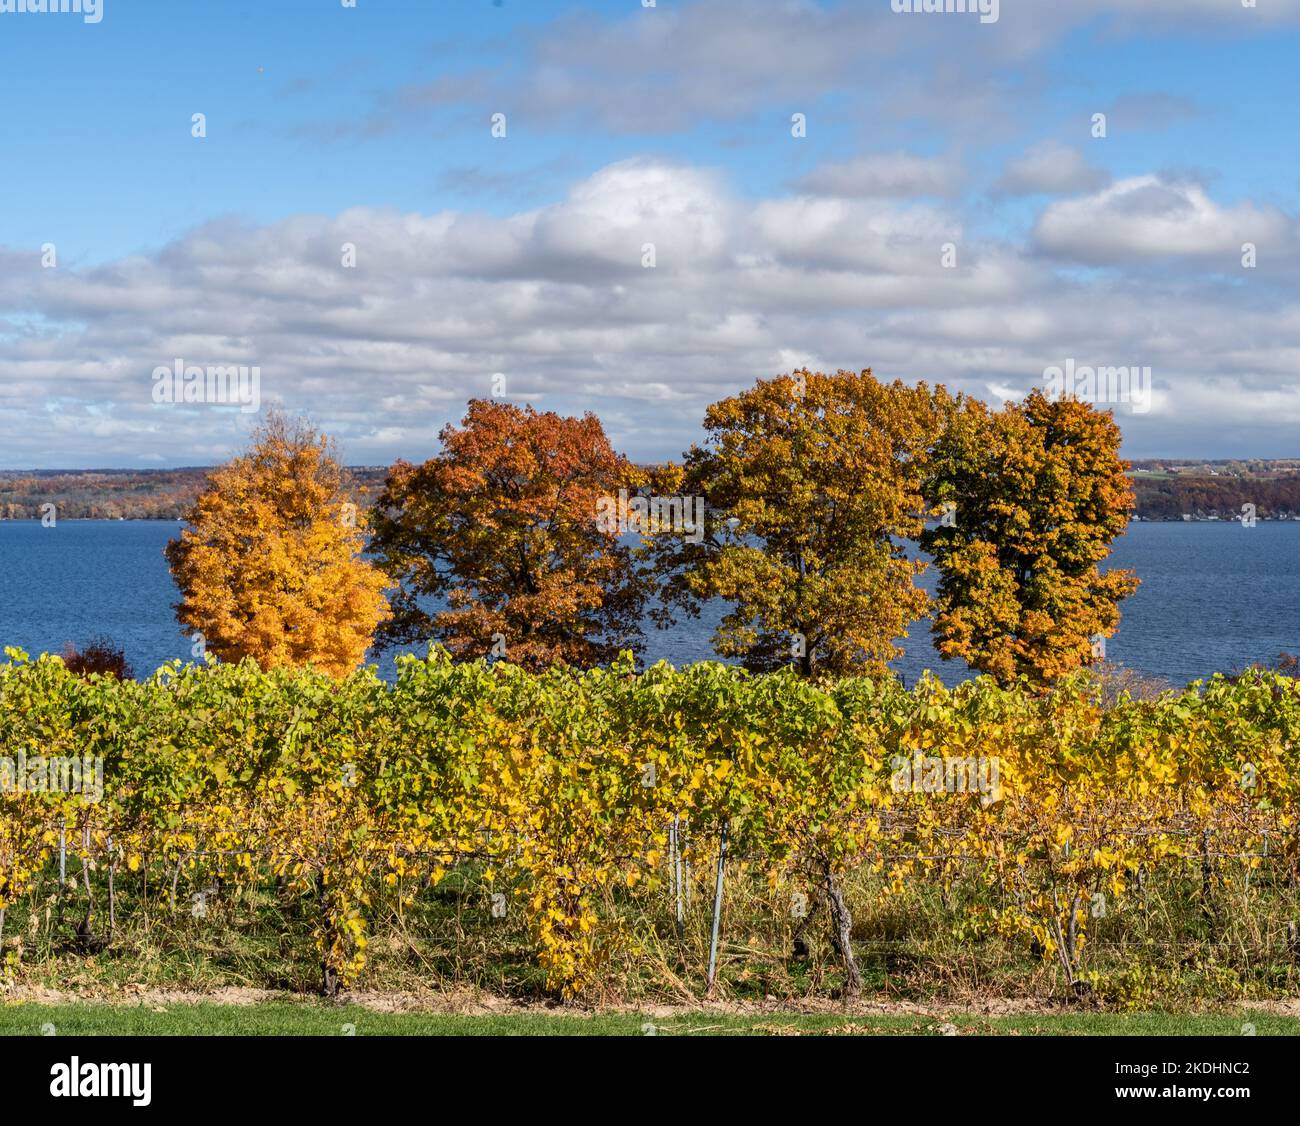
[(541, 545), (1163, 490)]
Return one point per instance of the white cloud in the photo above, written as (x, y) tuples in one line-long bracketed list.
[(1050, 168), (835, 233), (556, 298), (1147, 217)]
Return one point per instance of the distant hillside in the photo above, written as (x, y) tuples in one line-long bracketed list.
[(1177, 489), (1166, 489), (121, 494)]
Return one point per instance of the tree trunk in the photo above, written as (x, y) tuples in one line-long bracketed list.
[(843, 924), (1207, 874), (329, 978)]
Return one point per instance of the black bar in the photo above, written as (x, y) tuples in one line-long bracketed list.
[(486, 1075)]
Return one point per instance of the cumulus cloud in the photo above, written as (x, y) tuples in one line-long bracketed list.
[(559, 301), (1050, 168), (1146, 217)]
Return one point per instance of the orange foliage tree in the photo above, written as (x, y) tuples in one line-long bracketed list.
[(502, 526), (270, 565), (1040, 493), (811, 482)]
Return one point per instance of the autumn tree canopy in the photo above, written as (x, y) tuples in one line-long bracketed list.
[(1040, 493), (270, 564), (811, 481), (501, 527)]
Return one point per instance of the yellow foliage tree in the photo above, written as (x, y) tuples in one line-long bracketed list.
[(270, 566), (1039, 494), (812, 482)]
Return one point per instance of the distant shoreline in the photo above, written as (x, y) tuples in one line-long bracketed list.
[(1167, 491)]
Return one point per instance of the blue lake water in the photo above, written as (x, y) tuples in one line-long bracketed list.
[(1214, 597)]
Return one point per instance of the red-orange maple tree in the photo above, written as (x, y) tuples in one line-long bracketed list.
[(501, 528)]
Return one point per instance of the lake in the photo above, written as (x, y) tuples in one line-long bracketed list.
[(1214, 597)]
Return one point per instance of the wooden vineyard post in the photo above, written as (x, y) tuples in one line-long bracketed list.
[(675, 847), (717, 910)]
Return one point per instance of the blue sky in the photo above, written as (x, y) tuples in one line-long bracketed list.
[(522, 255)]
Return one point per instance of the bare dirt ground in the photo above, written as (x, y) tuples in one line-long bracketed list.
[(468, 1003), (1285, 1007)]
